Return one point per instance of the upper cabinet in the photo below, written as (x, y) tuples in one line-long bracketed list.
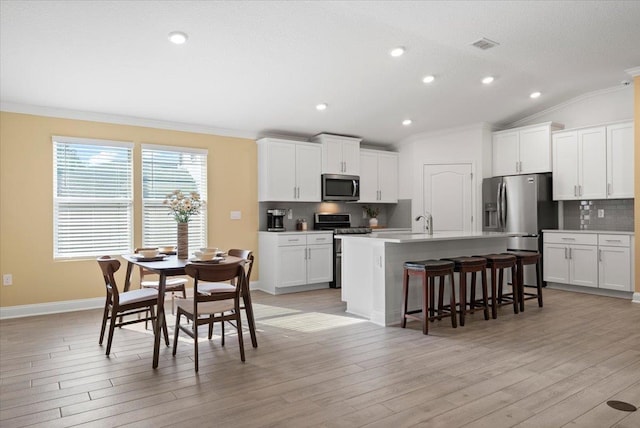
[(288, 171), (340, 155), (524, 150), (378, 176), (593, 163)]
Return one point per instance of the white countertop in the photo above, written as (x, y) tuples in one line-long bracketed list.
[(607, 232), (296, 232), (401, 238)]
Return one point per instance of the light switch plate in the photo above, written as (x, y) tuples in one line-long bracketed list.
[(236, 215), (7, 279), (601, 213), (290, 214)]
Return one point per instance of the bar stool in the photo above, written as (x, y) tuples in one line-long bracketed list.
[(500, 262), (524, 258), (464, 265), (428, 270)]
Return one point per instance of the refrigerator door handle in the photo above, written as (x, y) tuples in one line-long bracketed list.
[(503, 205)]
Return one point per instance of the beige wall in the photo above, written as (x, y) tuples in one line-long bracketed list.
[(636, 121), (26, 201)]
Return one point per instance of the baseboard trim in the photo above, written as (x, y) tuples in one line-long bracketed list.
[(50, 308), (596, 291), (636, 297)]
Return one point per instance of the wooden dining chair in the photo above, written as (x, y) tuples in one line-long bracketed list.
[(120, 304), (173, 284), (205, 308), (217, 287)]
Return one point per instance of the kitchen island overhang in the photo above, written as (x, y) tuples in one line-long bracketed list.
[(372, 266)]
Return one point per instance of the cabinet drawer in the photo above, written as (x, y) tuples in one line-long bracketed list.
[(316, 238), (571, 238), (287, 240), (614, 240)]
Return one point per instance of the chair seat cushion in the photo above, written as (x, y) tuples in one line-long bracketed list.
[(136, 296), (207, 308), (526, 257), (214, 287), (172, 284), (429, 264), (468, 261)]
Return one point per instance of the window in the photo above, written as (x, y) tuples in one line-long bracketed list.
[(165, 169), (92, 197)]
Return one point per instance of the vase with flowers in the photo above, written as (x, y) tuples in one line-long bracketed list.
[(372, 213), (183, 206)]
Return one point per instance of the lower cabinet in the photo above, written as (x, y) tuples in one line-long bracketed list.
[(294, 259), (588, 260)]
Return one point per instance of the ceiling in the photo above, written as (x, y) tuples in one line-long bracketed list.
[(254, 68)]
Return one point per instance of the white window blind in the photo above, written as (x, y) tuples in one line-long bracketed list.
[(165, 169), (92, 196)]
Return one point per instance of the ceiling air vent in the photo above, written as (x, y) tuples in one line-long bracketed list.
[(484, 44)]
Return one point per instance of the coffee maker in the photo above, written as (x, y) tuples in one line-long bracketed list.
[(275, 220)]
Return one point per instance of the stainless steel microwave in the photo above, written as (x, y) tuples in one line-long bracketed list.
[(338, 187)]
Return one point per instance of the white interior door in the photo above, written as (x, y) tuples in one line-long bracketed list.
[(448, 196)]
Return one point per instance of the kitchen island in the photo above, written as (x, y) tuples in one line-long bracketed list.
[(372, 266)]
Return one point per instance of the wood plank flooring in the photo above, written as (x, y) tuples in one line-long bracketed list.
[(319, 367)]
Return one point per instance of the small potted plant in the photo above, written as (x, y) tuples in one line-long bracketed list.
[(372, 212)]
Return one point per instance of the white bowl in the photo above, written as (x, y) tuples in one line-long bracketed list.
[(148, 253), (209, 250), (204, 255)]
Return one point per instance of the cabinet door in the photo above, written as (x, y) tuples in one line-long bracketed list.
[(292, 266), (368, 176), (351, 157), (565, 165), (592, 163), (279, 177), (332, 157), (319, 263), (583, 267), (614, 268), (556, 263), (388, 177), (505, 153), (535, 150), (620, 161), (308, 173)]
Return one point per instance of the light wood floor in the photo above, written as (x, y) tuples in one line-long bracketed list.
[(317, 366)]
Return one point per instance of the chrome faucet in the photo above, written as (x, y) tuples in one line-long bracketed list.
[(428, 222)]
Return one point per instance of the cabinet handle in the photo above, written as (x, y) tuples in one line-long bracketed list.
[(579, 189), (309, 251), (570, 252), (613, 240), (599, 255), (608, 189), (565, 253), (568, 239), (298, 193), (575, 190)]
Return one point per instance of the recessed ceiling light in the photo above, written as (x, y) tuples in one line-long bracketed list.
[(487, 80), (322, 106), (178, 37), (535, 94), (407, 122), (428, 79), (397, 51)]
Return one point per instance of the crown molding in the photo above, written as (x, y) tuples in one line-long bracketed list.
[(481, 126), (122, 120)]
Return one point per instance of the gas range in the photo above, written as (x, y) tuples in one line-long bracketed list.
[(340, 224)]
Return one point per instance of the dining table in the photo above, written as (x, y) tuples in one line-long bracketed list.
[(170, 265)]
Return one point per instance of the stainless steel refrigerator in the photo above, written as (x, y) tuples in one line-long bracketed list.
[(520, 204)]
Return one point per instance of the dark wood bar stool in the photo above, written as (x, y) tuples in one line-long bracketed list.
[(472, 265), (524, 258), (497, 263), (428, 270)]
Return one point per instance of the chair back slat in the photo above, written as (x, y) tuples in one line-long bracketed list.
[(216, 273), (109, 267), (247, 255)]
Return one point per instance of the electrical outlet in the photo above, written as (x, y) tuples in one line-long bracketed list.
[(601, 213), (364, 213), (290, 214), (7, 279), (236, 215)]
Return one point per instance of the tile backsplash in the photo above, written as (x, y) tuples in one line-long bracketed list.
[(615, 215)]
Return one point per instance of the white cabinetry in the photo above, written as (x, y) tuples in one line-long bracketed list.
[(340, 154), (524, 150), (620, 161), (571, 258), (295, 259), (588, 259), (378, 176), (614, 258), (288, 171), (593, 163)]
